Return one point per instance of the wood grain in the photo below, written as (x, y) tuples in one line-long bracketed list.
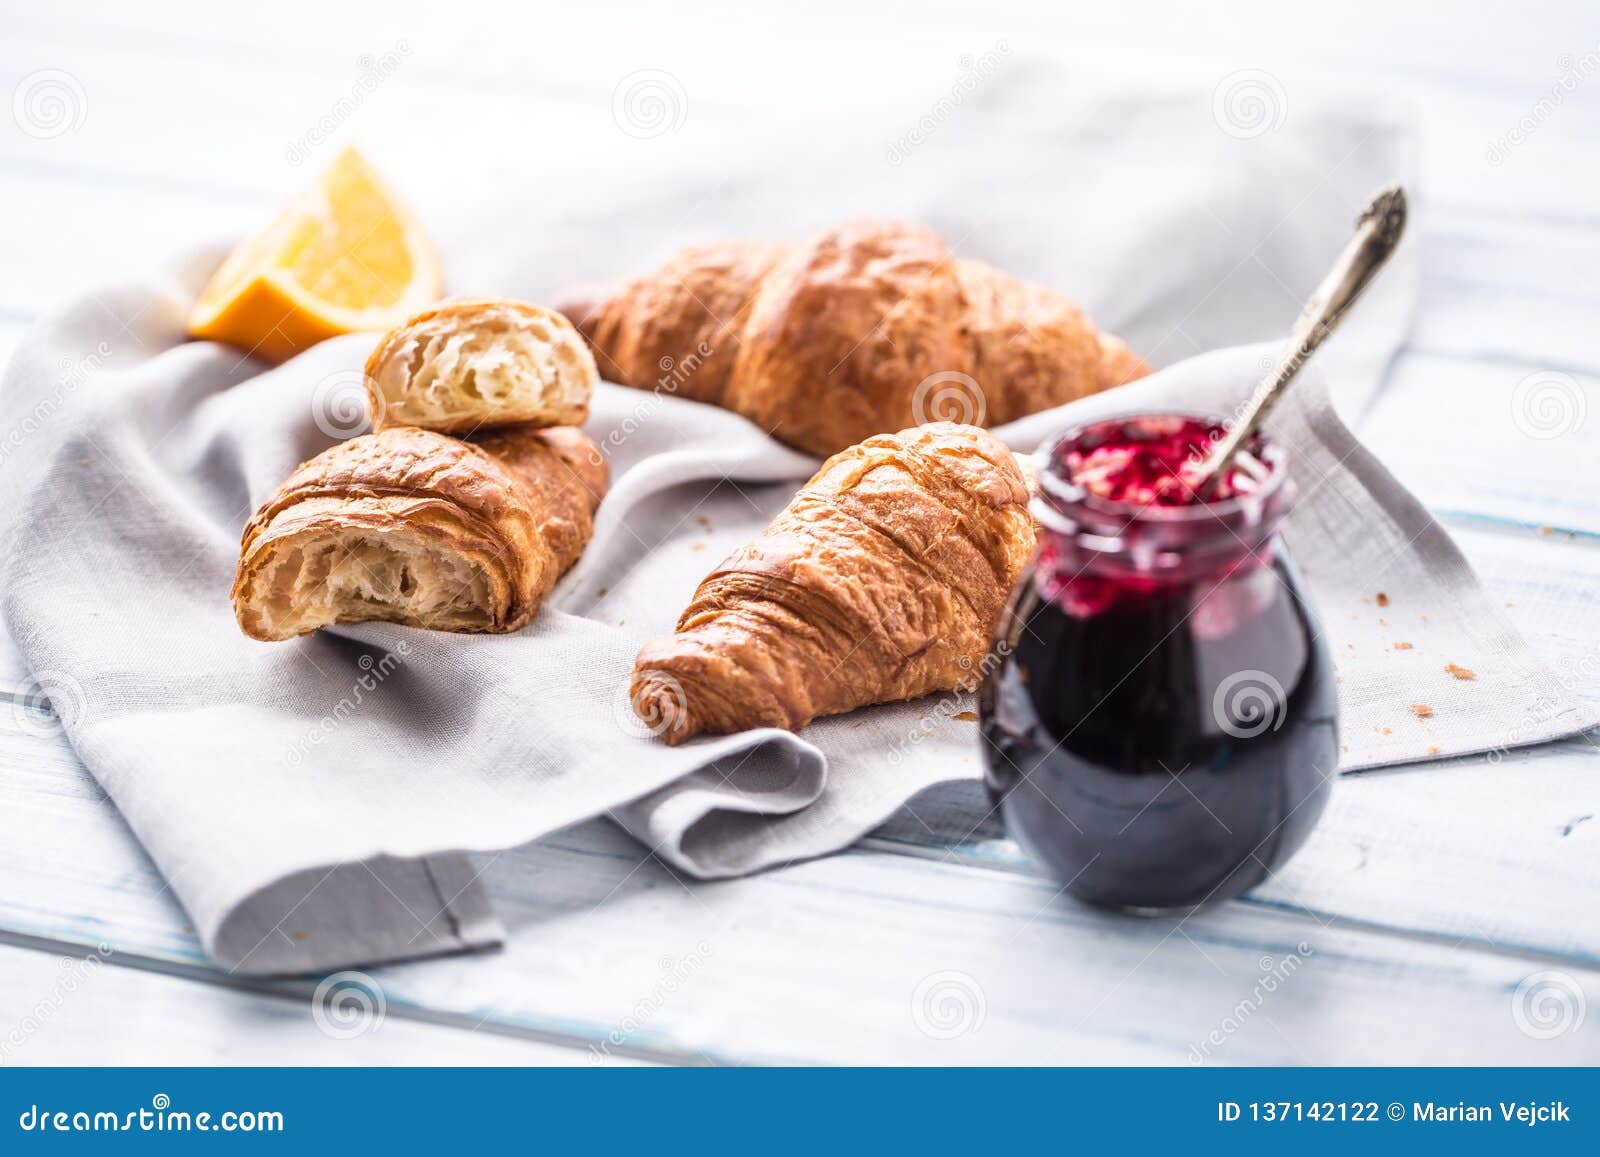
[(820, 961), (1426, 897)]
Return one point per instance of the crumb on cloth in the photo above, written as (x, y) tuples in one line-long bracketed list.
[(1460, 672), (1402, 646), (1383, 599), (1422, 711), (966, 716)]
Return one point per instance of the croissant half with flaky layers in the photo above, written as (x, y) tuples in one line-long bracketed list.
[(472, 363), (882, 580), (410, 526), (861, 330)]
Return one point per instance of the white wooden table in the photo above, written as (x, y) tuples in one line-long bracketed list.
[(1401, 934)]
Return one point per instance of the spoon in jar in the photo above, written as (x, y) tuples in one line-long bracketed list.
[(1378, 231)]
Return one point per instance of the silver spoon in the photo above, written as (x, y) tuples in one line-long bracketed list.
[(1378, 231)]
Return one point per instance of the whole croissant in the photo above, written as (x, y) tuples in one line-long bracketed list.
[(861, 330), (410, 526), (882, 580)]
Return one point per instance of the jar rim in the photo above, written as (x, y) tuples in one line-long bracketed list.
[(1053, 487)]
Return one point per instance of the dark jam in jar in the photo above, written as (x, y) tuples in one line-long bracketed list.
[(1160, 731)]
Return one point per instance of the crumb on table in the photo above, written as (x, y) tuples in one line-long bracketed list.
[(1460, 672)]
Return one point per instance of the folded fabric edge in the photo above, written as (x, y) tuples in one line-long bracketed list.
[(1561, 714), (375, 911), (391, 906), (721, 842)]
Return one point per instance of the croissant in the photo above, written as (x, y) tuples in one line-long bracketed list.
[(861, 330), (411, 526), (882, 580), (470, 363)]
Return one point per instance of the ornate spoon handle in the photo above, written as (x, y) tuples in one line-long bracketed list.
[(1378, 231)]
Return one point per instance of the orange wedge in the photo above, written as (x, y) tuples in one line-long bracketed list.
[(344, 256)]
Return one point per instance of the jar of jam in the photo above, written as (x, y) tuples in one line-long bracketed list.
[(1160, 729)]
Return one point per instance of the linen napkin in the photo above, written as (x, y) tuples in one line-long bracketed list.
[(311, 801)]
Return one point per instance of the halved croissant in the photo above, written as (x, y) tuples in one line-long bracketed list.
[(472, 363), (861, 330), (883, 579), (411, 526)]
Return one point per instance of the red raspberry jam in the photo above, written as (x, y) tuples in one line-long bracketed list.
[(1159, 637), (1155, 462)]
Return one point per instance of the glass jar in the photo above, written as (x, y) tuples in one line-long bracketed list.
[(1160, 730)]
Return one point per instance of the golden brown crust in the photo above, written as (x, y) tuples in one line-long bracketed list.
[(412, 526), (882, 580), (472, 363), (829, 341), (680, 327)]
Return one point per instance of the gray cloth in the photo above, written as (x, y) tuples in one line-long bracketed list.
[(310, 801)]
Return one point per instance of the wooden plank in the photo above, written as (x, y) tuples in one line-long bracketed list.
[(605, 943), (1513, 291), (1509, 440), (1549, 584), (75, 1007), (757, 62)]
